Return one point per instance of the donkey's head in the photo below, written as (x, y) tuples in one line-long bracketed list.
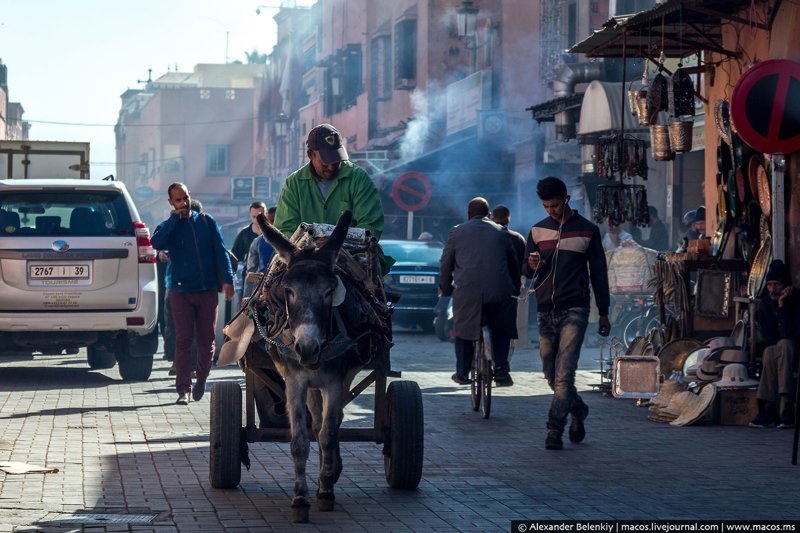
[(308, 287)]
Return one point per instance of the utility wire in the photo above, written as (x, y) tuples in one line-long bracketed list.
[(134, 125)]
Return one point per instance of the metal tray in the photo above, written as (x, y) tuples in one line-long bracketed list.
[(636, 376)]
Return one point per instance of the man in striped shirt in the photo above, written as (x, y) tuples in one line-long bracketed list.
[(564, 253)]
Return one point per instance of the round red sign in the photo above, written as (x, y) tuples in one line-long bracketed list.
[(764, 107), (411, 191)]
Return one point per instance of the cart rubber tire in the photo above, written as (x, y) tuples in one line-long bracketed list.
[(100, 358), (225, 453), (403, 454)]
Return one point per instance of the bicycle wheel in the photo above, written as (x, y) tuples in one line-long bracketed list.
[(475, 379), (488, 376), (487, 370)]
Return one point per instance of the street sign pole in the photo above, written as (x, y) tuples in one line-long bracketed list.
[(410, 226)]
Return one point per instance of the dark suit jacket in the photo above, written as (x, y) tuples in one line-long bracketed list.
[(479, 266)]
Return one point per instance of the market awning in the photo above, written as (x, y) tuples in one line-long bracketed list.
[(680, 27), (600, 111), (546, 111)]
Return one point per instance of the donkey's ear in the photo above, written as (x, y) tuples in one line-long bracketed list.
[(283, 247), (335, 241)]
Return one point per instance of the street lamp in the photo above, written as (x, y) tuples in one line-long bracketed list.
[(466, 17), (467, 22), (281, 126)]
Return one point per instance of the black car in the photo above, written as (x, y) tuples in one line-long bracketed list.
[(415, 277)]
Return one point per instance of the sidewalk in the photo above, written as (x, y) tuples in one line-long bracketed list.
[(126, 449)]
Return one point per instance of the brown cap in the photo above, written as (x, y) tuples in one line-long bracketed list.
[(328, 142)]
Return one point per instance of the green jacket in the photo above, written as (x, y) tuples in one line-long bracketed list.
[(302, 201)]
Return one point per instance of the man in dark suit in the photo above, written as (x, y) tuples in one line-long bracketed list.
[(481, 271)]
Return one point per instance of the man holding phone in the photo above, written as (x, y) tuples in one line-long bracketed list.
[(564, 253), (196, 250)]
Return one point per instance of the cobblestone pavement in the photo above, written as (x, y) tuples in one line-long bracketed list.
[(125, 450)]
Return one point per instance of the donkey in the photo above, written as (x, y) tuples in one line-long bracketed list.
[(317, 375)]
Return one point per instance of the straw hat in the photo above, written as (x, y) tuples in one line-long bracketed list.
[(239, 333), (735, 375), (676, 403), (694, 406), (732, 355), (709, 371), (719, 342), (668, 389)]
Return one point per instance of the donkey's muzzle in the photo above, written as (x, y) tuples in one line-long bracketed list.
[(310, 352)]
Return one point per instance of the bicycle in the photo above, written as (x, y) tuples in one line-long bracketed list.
[(482, 373)]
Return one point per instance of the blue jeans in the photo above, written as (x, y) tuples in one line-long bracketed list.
[(560, 337)]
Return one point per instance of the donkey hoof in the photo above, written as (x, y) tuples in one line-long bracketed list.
[(325, 501), (300, 512)]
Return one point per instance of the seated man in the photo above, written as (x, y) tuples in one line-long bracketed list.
[(483, 286), (779, 321)]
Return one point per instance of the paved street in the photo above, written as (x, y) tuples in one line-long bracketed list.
[(127, 451)]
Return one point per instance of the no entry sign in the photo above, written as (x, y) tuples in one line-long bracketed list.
[(764, 107), (411, 191)]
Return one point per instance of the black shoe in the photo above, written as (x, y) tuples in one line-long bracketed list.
[(760, 421), (199, 389), (576, 430), (553, 440), (461, 381), (172, 371), (183, 399), (503, 379)]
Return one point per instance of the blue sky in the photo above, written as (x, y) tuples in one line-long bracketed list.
[(69, 61)]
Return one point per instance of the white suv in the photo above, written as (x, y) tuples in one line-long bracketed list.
[(77, 270)]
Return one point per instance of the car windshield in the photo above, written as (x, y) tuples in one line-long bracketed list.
[(64, 213), (412, 251)]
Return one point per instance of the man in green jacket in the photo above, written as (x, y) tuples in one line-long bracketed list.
[(327, 186)]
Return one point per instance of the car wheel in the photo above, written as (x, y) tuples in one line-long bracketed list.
[(427, 326), (132, 368), (100, 358)]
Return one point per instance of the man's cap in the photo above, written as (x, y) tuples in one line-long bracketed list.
[(328, 142), (778, 271), (700, 215)]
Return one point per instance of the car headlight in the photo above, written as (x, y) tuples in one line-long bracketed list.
[(388, 279)]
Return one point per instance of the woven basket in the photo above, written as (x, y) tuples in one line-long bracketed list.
[(642, 109), (680, 134), (633, 99), (659, 142)]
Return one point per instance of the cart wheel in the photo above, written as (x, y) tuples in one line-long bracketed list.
[(225, 457), (403, 451), (476, 377)]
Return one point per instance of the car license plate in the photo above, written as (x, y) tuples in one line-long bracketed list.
[(427, 280), (59, 274)]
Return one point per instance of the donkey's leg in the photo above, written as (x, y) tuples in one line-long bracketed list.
[(296, 387), (328, 438)]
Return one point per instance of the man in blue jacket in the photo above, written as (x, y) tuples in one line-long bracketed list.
[(198, 260)]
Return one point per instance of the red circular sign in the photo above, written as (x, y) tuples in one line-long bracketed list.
[(764, 107), (411, 191)]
